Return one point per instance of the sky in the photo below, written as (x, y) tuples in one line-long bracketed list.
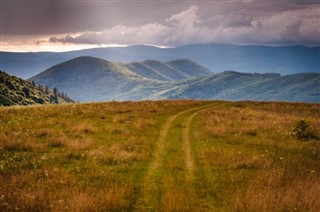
[(61, 25)]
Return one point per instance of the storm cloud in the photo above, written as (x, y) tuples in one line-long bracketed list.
[(300, 26), (160, 23)]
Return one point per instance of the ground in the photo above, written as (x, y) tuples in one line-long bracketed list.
[(160, 156)]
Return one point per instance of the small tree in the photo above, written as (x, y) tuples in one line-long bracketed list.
[(26, 91), (55, 95), (303, 132), (55, 91), (47, 90), (41, 88)]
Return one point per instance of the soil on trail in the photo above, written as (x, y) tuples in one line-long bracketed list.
[(148, 199), (187, 148)]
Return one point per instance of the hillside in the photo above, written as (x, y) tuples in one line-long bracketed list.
[(16, 91), (168, 71), (189, 68), (216, 57), (161, 156), (94, 79), (230, 85), (91, 79)]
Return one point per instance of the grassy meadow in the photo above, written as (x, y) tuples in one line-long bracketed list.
[(177, 155)]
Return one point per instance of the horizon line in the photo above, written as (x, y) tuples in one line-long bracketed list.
[(151, 45)]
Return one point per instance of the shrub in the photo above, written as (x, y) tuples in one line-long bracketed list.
[(303, 132), (26, 91)]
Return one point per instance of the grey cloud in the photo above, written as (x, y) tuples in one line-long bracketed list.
[(168, 23), (300, 26), (61, 17), (52, 17)]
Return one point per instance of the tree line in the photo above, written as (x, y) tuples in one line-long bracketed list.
[(56, 94)]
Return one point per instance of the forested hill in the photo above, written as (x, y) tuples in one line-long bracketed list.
[(16, 91)]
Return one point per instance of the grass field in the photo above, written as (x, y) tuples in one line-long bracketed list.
[(160, 156)]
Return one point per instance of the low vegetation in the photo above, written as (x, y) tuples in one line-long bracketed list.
[(16, 91), (160, 155)]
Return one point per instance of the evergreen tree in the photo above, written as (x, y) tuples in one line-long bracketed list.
[(55, 91), (47, 90), (55, 95), (41, 88)]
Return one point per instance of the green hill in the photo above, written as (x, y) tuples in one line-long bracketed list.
[(230, 85), (16, 91), (90, 79)]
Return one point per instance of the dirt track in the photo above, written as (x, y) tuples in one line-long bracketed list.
[(150, 183)]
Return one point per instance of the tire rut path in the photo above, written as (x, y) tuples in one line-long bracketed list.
[(146, 200)]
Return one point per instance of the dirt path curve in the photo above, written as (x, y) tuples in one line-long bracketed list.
[(149, 183), (186, 143), (187, 147)]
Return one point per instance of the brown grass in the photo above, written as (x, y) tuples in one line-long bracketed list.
[(260, 165), (94, 157)]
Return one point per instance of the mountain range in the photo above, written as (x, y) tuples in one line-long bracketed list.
[(93, 79), (216, 57), (230, 85)]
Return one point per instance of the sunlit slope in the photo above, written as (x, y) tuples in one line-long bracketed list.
[(94, 79), (91, 79), (231, 85), (16, 91)]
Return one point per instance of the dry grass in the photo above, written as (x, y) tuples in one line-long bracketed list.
[(78, 157), (249, 150), (93, 157), (176, 195), (274, 191)]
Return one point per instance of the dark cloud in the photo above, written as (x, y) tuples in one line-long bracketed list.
[(299, 26), (58, 17), (168, 23)]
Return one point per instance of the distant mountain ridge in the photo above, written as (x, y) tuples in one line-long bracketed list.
[(216, 57), (168, 71), (93, 79), (230, 85)]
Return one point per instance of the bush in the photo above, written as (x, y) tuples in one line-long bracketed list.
[(26, 91), (303, 132)]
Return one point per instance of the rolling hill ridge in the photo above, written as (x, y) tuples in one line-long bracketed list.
[(168, 71), (230, 85), (216, 57), (92, 79)]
